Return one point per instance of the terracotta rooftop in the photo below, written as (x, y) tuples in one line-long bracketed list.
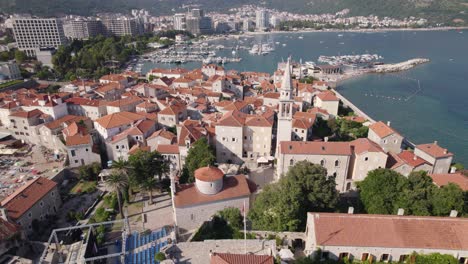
[(362, 145), (409, 158), (358, 119), (68, 119), (167, 149), (83, 101), (113, 78), (315, 148), (27, 114), (208, 174), (434, 150), (389, 231), (78, 140), (7, 229), (446, 178), (382, 130), (327, 96), (227, 258), (233, 187), (26, 196), (118, 119), (163, 133)]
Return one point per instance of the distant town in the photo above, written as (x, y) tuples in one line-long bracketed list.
[(101, 162)]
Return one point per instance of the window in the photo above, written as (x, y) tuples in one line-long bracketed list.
[(291, 162), (322, 162), (117, 147), (337, 163), (343, 255), (366, 158), (403, 258), (334, 174), (76, 161), (385, 257), (233, 139), (122, 146), (73, 153), (29, 215), (395, 141), (463, 260), (385, 141), (365, 256), (86, 150), (41, 204), (348, 186)]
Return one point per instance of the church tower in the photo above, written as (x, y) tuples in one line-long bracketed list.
[(285, 110)]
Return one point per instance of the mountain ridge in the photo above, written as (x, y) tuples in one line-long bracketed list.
[(436, 11)]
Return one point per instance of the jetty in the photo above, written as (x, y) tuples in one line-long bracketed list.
[(397, 67)]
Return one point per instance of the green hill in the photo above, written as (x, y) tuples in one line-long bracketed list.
[(434, 10)]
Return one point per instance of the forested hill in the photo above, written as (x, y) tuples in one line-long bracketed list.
[(434, 10)]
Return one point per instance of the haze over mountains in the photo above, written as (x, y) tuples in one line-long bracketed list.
[(434, 10)]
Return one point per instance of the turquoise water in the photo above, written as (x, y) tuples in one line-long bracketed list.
[(439, 111)]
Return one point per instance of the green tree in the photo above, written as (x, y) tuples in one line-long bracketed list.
[(381, 190), (159, 257), (434, 258), (283, 206), (232, 216), (117, 182), (149, 185), (416, 198), (447, 198), (20, 56), (199, 155), (145, 165)]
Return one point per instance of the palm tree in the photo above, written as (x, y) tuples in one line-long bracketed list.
[(121, 165), (148, 185), (118, 182)]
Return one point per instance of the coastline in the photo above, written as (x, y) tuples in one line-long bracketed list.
[(378, 30)]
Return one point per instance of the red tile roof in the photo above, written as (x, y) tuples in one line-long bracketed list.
[(167, 149), (78, 140), (382, 130), (27, 196), (27, 114), (233, 187), (362, 145), (434, 150), (227, 258), (118, 119), (409, 158), (208, 174), (389, 231), (327, 96), (315, 148), (446, 178), (7, 229)]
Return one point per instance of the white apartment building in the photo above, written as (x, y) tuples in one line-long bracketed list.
[(180, 21), (9, 70), (34, 33), (262, 20)]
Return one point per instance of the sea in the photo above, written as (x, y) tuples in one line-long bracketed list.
[(425, 104)]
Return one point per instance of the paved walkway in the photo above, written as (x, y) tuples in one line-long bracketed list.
[(159, 213)]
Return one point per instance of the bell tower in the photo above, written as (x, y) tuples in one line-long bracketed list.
[(285, 110)]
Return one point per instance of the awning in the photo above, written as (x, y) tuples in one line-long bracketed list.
[(286, 254), (270, 158), (262, 160)]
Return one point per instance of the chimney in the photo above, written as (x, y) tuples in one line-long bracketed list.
[(325, 139), (350, 210), (453, 213), (453, 169), (435, 142), (388, 123), (401, 211), (445, 151)]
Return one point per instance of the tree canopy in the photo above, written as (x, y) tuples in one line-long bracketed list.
[(199, 155), (283, 206), (384, 191)]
